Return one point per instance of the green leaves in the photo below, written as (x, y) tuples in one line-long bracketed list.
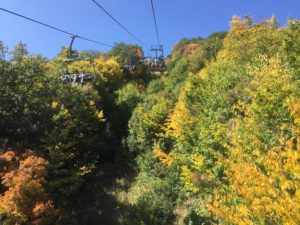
[(226, 108)]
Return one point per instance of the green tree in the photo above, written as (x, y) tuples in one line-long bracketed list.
[(19, 52), (291, 45), (127, 54), (3, 50)]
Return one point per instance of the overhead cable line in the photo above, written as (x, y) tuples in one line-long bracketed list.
[(114, 19), (155, 22), (55, 28)]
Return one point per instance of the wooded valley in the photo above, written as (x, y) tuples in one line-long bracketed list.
[(215, 139)]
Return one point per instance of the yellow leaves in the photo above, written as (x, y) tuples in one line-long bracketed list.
[(297, 194), (240, 106), (87, 169), (237, 22), (92, 103), (187, 178), (107, 69), (194, 174), (262, 139), (163, 157), (174, 127), (247, 40), (100, 116), (64, 113), (264, 181), (262, 184), (197, 161), (81, 66), (54, 105), (180, 118), (203, 74), (287, 185), (99, 113), (270, 79), (294, 108), (64, 110)]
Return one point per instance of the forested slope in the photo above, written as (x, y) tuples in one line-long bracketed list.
[(218, 141), (213, 140), (56, 138)]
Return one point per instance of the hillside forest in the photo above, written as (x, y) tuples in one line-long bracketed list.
[(215, 139)]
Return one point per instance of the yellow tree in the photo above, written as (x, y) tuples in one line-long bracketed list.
[(263, 168)]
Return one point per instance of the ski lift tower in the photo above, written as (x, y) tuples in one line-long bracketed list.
[(158, 51)]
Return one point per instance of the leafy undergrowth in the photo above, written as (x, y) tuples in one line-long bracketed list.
[(103, 198)]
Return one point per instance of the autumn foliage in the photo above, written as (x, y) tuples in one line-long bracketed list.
[(214, 140), (231, 136)]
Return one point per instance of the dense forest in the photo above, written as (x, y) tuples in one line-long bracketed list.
[(212, 140)]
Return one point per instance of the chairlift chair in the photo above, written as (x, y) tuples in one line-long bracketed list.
[(78, 78)]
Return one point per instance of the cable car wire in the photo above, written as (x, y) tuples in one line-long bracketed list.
[(55, 28), (114, 19), (155, 22)]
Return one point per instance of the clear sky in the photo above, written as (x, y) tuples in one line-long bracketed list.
[(176, 19)]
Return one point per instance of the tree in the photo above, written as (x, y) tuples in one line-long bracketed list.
[(19, 52), (25, 190), (127, 54), (23, 98), (3, 50), (264, 146), (64, 123), (291, 48), (128, 97)]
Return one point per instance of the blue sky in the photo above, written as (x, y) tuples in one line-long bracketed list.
[(176, 19)]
